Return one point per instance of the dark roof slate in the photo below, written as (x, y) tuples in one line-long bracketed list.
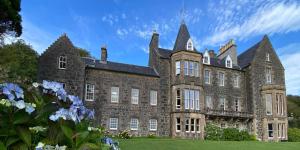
[(120, 67), (246, 57), (165, 53), (182, 38)]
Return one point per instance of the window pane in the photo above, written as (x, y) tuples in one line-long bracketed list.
[(269, 104), (178, 99), (113, 123), (186, 67), (196, 69), (208, 102), (115, 94), (207, 76), (177, 67), (153, 97), (197, 100), (89, 93), (153, 124), (186, 99), (134, 96), (192, 99), (134, 124)]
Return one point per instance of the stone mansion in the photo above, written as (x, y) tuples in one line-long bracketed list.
[(180, 91)]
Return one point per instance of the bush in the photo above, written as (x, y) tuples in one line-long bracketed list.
[(124, 135), (151, 135), (294, 135), (216, 133)]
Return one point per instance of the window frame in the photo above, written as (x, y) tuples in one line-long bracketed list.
[(236, 81), (91, 91), (114, 98), (269, 104), (221, 82), (178, 124), (208, 105), (178, 99), (153, 102), (134, 124), (152, 123), (113, 122), (268, 75), (135, 96), (177, 68), (222, 103), (62, 62), (270, 131), (207, 77)]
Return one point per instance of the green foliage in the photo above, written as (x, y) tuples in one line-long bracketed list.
[(10, 19), (215, 133), (20, 130), (83, 52), (124, 135), (293, 105), (294, 135), (151, 136), (18, 63)]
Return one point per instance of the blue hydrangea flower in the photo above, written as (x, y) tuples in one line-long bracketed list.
[(29, 109), (20, 104)]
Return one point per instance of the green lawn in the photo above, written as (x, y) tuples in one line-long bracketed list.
[(181, 144)]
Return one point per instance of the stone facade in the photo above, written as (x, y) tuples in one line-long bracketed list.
[(178, 93)]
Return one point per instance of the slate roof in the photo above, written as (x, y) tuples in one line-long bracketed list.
[(164, 53), (246, 57), (120, 67), (182, 38), (221, 63)]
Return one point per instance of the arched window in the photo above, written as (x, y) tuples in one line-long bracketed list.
[(189, 45), (62, 62), (228, 62)]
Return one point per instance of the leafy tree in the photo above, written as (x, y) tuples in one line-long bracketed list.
[(18, 63), (10, 19), (83, 52)]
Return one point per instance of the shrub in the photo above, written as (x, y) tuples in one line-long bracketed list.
[(151, 135), (213, 132), (124, 135), (294, 135)]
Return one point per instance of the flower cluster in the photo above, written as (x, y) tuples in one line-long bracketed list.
[(15, 97), (42, 146), (94, 129), (76, 112)]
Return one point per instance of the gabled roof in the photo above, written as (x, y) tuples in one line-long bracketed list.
[(182, 38), (246, 57), (120, 67)]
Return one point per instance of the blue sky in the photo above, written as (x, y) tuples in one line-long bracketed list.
[(125, 27)]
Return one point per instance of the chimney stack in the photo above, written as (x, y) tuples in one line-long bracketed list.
[(103, 54), (211, 53)]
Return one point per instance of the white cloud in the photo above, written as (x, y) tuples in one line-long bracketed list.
[(110, 18), (122, 33), (145, 49), (292, 67), (268, 17)]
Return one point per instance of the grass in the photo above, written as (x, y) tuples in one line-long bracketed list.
[(184, 144)]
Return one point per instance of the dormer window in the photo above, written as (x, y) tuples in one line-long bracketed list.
[(62, 62), (189, 45), (206, 58), (267, 57), (228, 62)]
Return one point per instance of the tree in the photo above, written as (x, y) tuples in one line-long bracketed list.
[(18, 63), (83, 52), (10, 19)]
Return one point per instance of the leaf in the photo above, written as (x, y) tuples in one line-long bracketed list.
[(81, 136), (12, 140), (89, 146), (67, 131), (24, 134), (2, 146), (21, 117)]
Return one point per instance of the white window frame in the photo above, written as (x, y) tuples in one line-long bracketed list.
[(197, 125), (134, 124), (267, 56), (197, 99), (222, 103), (193, 125), (113, 123), (62, 62), (186, 68), (269, 104), (135, 96), (186, 99), (282, 104), (89, 92), (206, 58), (153, 98), (192, 99), (268, 75), (221, 78), (114, 94), (279, 131), (178, 99), (189, 45), (178, 124), (208, 102), (191, 68), (207, 76), (236, 81), (152, 124), (196, 66), (177, 65), (228, 62)]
